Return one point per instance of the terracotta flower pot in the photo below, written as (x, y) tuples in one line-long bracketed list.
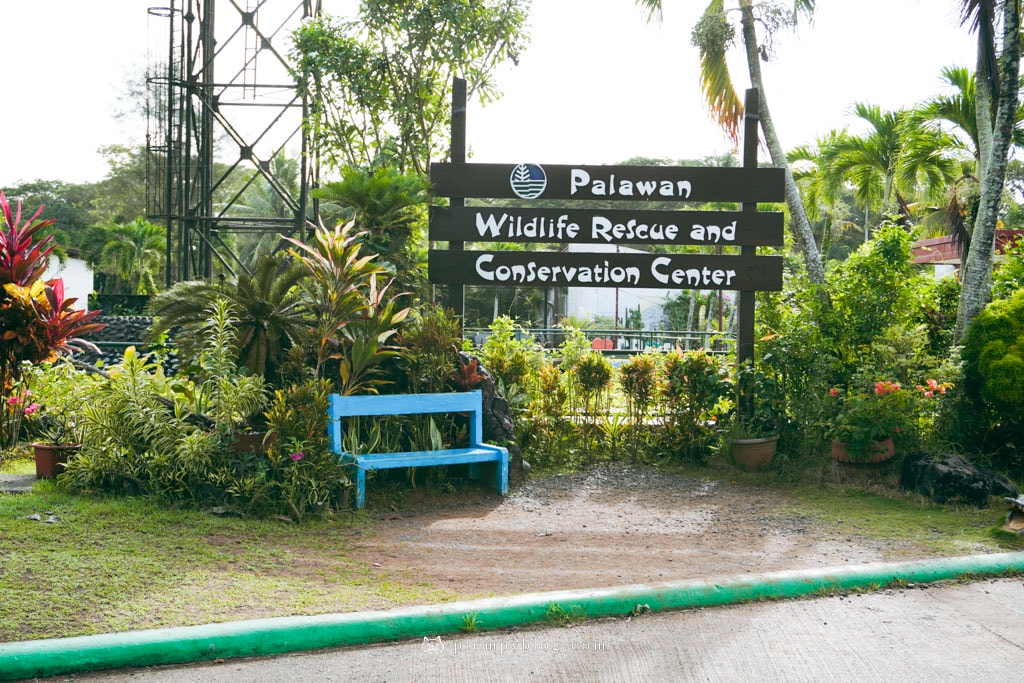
[(880, 452), (253, 442), (51, 458), (754, 455)]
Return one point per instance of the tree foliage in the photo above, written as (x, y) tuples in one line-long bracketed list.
[(383, 83), (389, 211), (134, 253), (712, 37)]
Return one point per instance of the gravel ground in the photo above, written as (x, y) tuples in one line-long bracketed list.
[(611, 525)]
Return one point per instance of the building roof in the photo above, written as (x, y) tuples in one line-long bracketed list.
[(942, 250)]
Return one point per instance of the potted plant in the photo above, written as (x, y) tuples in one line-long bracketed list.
[(867, 421), (754, 436), (60, 392)]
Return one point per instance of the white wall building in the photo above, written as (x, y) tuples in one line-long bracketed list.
[(77, 276)]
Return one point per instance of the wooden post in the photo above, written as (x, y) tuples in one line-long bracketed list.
[(456, 292), (745, 299)]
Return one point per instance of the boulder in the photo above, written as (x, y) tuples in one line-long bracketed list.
[(497, 419), (948, 478)]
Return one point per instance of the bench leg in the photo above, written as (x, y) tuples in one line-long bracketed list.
[(360, 487), (497, 472), (501, 475)]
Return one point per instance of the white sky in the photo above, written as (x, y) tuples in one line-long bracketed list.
[(596, 84)]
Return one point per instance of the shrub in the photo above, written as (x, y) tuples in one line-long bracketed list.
[(511, 355), (430, 342), (264, 303), (299, 473), (871, 290), (544, 433), (696, 394), (638, 379), (1008, 276), (137, 442), (994, 355), (351, 317), (594, 376)]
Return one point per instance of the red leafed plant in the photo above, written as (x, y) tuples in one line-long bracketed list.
[(37, 322), (468, 376), (21, 261)]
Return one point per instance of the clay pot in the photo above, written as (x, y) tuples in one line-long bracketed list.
[(754, 455), (52, 457), (883, 450)]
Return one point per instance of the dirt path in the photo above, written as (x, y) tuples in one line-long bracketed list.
[(614, 525)]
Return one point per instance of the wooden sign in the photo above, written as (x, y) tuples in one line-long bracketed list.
[(561, 269), (625, 183), (605, 226)]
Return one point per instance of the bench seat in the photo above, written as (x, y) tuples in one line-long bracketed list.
[(470, 403)]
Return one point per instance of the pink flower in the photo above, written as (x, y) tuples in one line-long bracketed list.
[(886, 387), (933, 384), (298, 456), (833, 392), (31, 408), (14, 400), (929, 394)]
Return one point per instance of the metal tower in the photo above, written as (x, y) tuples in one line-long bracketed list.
[(225, 117)]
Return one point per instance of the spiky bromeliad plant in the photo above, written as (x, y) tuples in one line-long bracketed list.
[(354, 317)]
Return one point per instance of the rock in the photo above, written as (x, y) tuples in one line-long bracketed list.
[(497, 419), (951, 478), (1015, 517)]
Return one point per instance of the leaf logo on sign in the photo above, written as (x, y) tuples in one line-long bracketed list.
[(528, 181)]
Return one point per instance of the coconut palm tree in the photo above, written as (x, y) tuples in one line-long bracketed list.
[(713, 35), (997, 82)]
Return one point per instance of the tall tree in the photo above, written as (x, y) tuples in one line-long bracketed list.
[(383, 84), (713, 35), (997, 82)]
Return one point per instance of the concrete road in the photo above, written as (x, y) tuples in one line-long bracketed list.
[(942, 632)]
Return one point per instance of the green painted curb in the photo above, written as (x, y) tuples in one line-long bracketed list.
[(262, 637)]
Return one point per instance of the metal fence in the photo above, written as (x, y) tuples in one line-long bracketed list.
[(625, 342)]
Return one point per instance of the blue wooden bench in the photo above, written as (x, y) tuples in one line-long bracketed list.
[(418, 404)]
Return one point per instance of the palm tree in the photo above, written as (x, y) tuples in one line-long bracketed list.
[(135, 253), (891, 164), (957, 112), (266, 304), (712, 35), (996, 86), (831, 208)]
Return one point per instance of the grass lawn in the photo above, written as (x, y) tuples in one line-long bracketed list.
[(117, 564)]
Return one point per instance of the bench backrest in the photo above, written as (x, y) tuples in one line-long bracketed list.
[(407, 404)]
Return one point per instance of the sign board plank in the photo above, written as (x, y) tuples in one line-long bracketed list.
[(560, 269), (628, 183), (606, 226)]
